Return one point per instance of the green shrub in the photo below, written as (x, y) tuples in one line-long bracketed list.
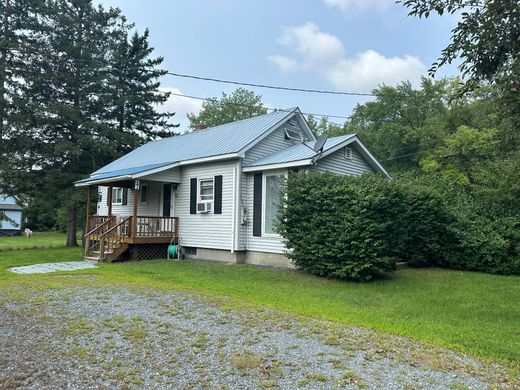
[(358, 227)]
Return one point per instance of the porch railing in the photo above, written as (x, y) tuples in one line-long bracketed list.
[(156, 226)]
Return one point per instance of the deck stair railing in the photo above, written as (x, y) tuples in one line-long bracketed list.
[(114, 237), (98, 226)]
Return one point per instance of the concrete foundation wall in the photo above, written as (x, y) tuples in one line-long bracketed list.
[(268, 259), (243, 257)]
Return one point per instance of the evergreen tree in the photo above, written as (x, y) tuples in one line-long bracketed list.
[(136, 88), (70, 124)]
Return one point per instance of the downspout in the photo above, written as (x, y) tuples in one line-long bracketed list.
[(233, 217)]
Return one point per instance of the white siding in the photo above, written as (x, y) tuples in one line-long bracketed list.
[(206, 230), (172, 175), (273, 142), (337, 163), (247, 240), (151, 208)]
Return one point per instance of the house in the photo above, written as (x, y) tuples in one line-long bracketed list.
[(215, 190), (11, 209)]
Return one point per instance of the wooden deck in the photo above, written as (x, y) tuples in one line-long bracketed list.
[(108, 237)]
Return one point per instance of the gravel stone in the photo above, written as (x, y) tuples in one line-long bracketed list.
[(137, 338)]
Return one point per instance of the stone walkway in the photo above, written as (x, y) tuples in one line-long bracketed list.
[(52, 267)]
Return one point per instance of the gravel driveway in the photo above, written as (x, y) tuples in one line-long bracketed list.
[(131, 338)]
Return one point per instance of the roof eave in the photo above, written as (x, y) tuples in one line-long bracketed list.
[(268, 167)]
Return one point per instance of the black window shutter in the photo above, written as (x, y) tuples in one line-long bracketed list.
[(257, 205), (125, 196), (218, 195), (108, 197), (193, 195)]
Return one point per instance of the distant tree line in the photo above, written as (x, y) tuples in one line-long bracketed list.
[(78, 88)]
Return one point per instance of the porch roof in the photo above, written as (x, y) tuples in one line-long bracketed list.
[(122, 174)]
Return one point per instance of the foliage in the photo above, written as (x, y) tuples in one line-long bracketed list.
[(324, 126), (479, 237), (85, 95), (360, 226), (486, 38), (241, 104), (460, 152)]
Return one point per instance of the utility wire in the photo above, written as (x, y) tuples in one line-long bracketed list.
[(110, 69), (188, 76), (267, 108)]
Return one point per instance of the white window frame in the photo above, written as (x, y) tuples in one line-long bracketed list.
[(199, 184), (115, 191), (264, 204), (141, 194), (348, 153)]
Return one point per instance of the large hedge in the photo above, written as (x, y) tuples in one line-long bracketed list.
[(359, 227)]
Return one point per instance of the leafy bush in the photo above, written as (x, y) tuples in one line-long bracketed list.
[(359, 227)]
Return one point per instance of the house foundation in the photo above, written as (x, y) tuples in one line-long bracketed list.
[(240, 257)]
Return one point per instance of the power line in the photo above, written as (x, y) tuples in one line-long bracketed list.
[(111, 69), (406, 155), (267, 108), (322, 91)]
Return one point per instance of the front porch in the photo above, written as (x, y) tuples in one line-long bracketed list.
[(114, 237)]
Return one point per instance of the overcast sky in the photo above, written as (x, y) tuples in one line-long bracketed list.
[(343, 45)]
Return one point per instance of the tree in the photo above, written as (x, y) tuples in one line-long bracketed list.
[(403, 121), (135, 87), (241, 104), (486, 38), (70, 124)]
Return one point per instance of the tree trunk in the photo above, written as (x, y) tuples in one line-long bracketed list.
[(3, 66), (71, 227)]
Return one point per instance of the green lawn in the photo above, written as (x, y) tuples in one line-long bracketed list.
[(38, 240), (466, 311)]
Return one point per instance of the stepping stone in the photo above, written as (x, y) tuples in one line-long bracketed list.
[(52, 267)]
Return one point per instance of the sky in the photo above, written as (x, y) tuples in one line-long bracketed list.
[(338, 45)]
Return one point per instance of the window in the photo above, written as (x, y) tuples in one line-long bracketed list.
[(273, 186), (117, 196), (205, 190), (293, 135), (144, 194), (348, 153)]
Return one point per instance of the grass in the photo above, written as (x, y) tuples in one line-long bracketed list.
[(467, 311), (38, 240)]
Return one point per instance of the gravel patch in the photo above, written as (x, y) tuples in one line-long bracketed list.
[(122, 338), (45, 268)]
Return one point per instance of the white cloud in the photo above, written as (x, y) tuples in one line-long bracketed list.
[(325, 55), (286, 64), (356, 6), (179, 104)]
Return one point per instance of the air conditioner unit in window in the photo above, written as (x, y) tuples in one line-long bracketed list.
[(204, 207)]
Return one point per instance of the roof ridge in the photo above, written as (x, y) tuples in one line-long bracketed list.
[(205, 130)]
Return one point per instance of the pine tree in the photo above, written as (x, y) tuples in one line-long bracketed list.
[(136, 88), (69, 126)]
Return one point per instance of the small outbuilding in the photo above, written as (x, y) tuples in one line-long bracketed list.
[(10, 207)]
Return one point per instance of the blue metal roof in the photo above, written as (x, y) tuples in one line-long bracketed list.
[(210, 142), (121, 172), (298, 152)]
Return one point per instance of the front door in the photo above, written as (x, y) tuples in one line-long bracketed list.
[(167, 200)]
